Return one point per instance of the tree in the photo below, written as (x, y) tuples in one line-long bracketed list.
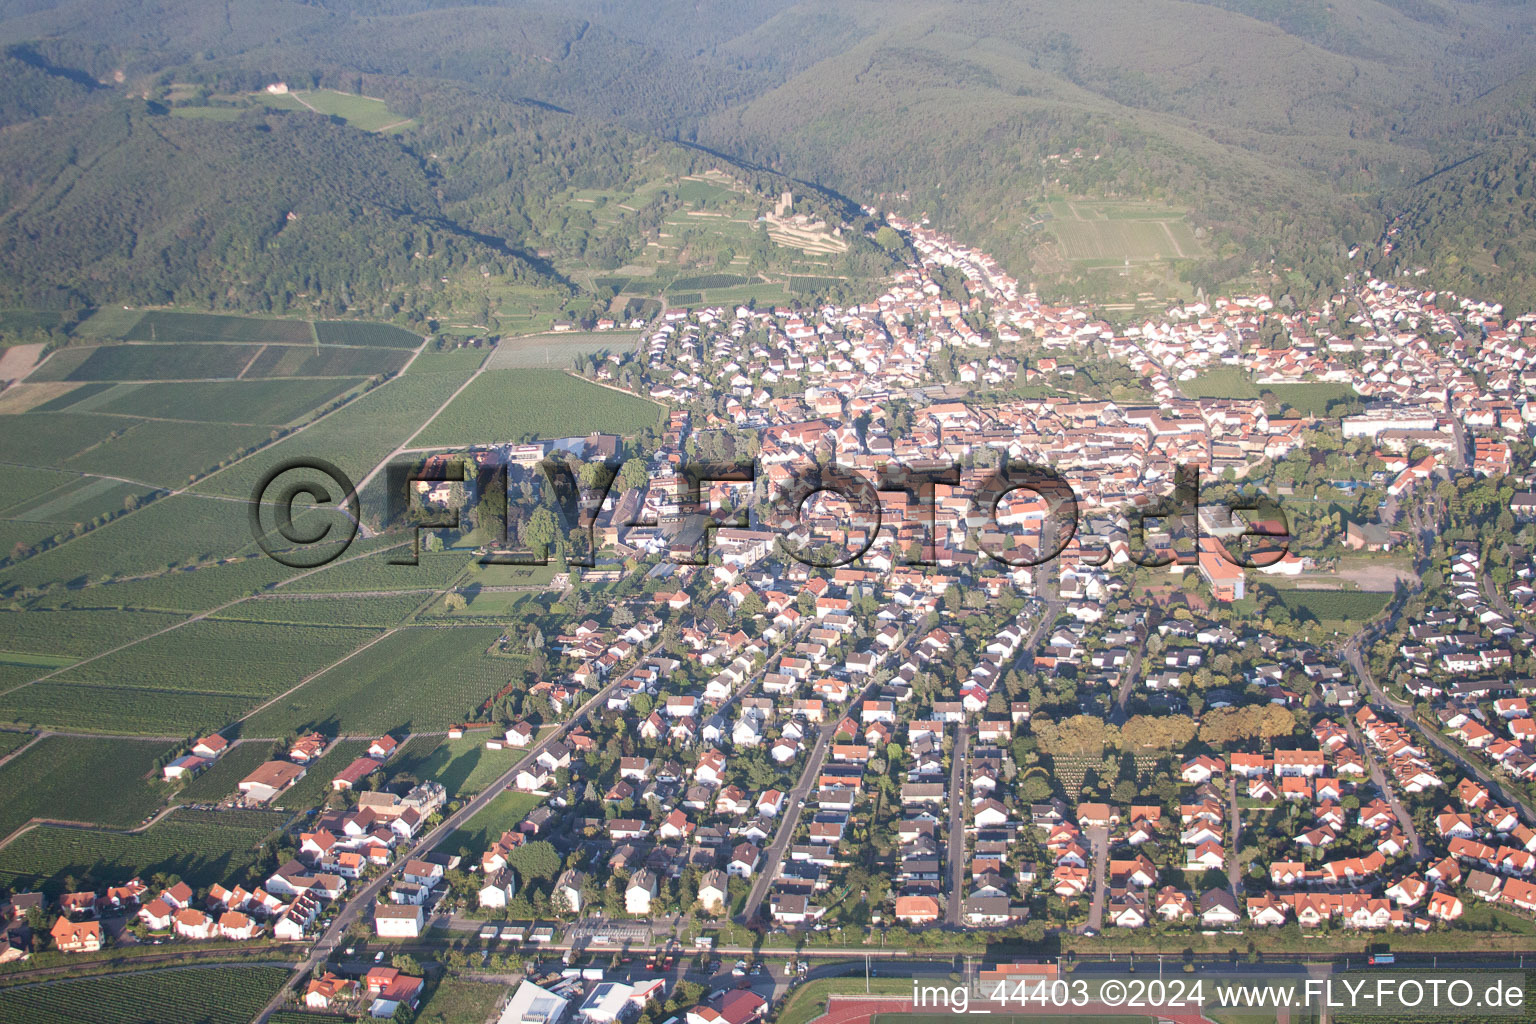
[(540, 531), (535, 860), (633, 475)]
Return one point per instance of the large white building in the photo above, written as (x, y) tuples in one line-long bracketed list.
[(533, 1005)]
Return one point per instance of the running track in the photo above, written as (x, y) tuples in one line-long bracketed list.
[(861, 1009)]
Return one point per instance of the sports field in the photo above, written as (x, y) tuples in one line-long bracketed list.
[(556, 351)]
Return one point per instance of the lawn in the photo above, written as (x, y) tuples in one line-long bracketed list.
[(1221, 382), (416, 679), (1316, 399), (507, 405), (104, 781), (504, 811), (221, 994), (464, 766), (809, 1001), (362, 112)]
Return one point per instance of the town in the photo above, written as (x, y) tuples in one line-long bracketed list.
[(939, 740)]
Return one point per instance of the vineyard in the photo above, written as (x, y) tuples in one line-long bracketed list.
[(353, 332), (198, 657), (192, 995), (316, 783), (702, 281), (218, 781), (202, 847), (119, 709), (418, 678), (102, 781)]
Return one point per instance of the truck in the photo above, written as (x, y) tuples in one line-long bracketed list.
[(1383, 959)]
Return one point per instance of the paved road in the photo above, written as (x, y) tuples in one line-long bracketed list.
[(362, 899), (1234, 838), (1388, 792), (768, 865), (1098, 841), (955, 842), (1405, 712)]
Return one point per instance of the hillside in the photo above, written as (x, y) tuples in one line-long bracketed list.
[(979, 114)]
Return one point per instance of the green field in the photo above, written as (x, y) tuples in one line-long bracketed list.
[(45, 440), (356, 332), (10, 741), (505, 405), (214, 656), (1315, 399), (356, 437), (433, 571), (416, 679), (218, 781), (80, 500), (24, 487), (464, 766), (1220, 382), (341, 610), (185, 590), (1333, 605), (170, 325), (202, 847), (196, 995), (101, 781), (262, 402), (362, 112), (326, 361), (166, 454), (459, 1001), (119, 709), (149, 362), (76, 633), (504, 811), (1120, 232), (556, 351)]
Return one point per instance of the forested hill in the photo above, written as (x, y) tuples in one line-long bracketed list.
[(1286, 130), (118, 202), (1471, 226)]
